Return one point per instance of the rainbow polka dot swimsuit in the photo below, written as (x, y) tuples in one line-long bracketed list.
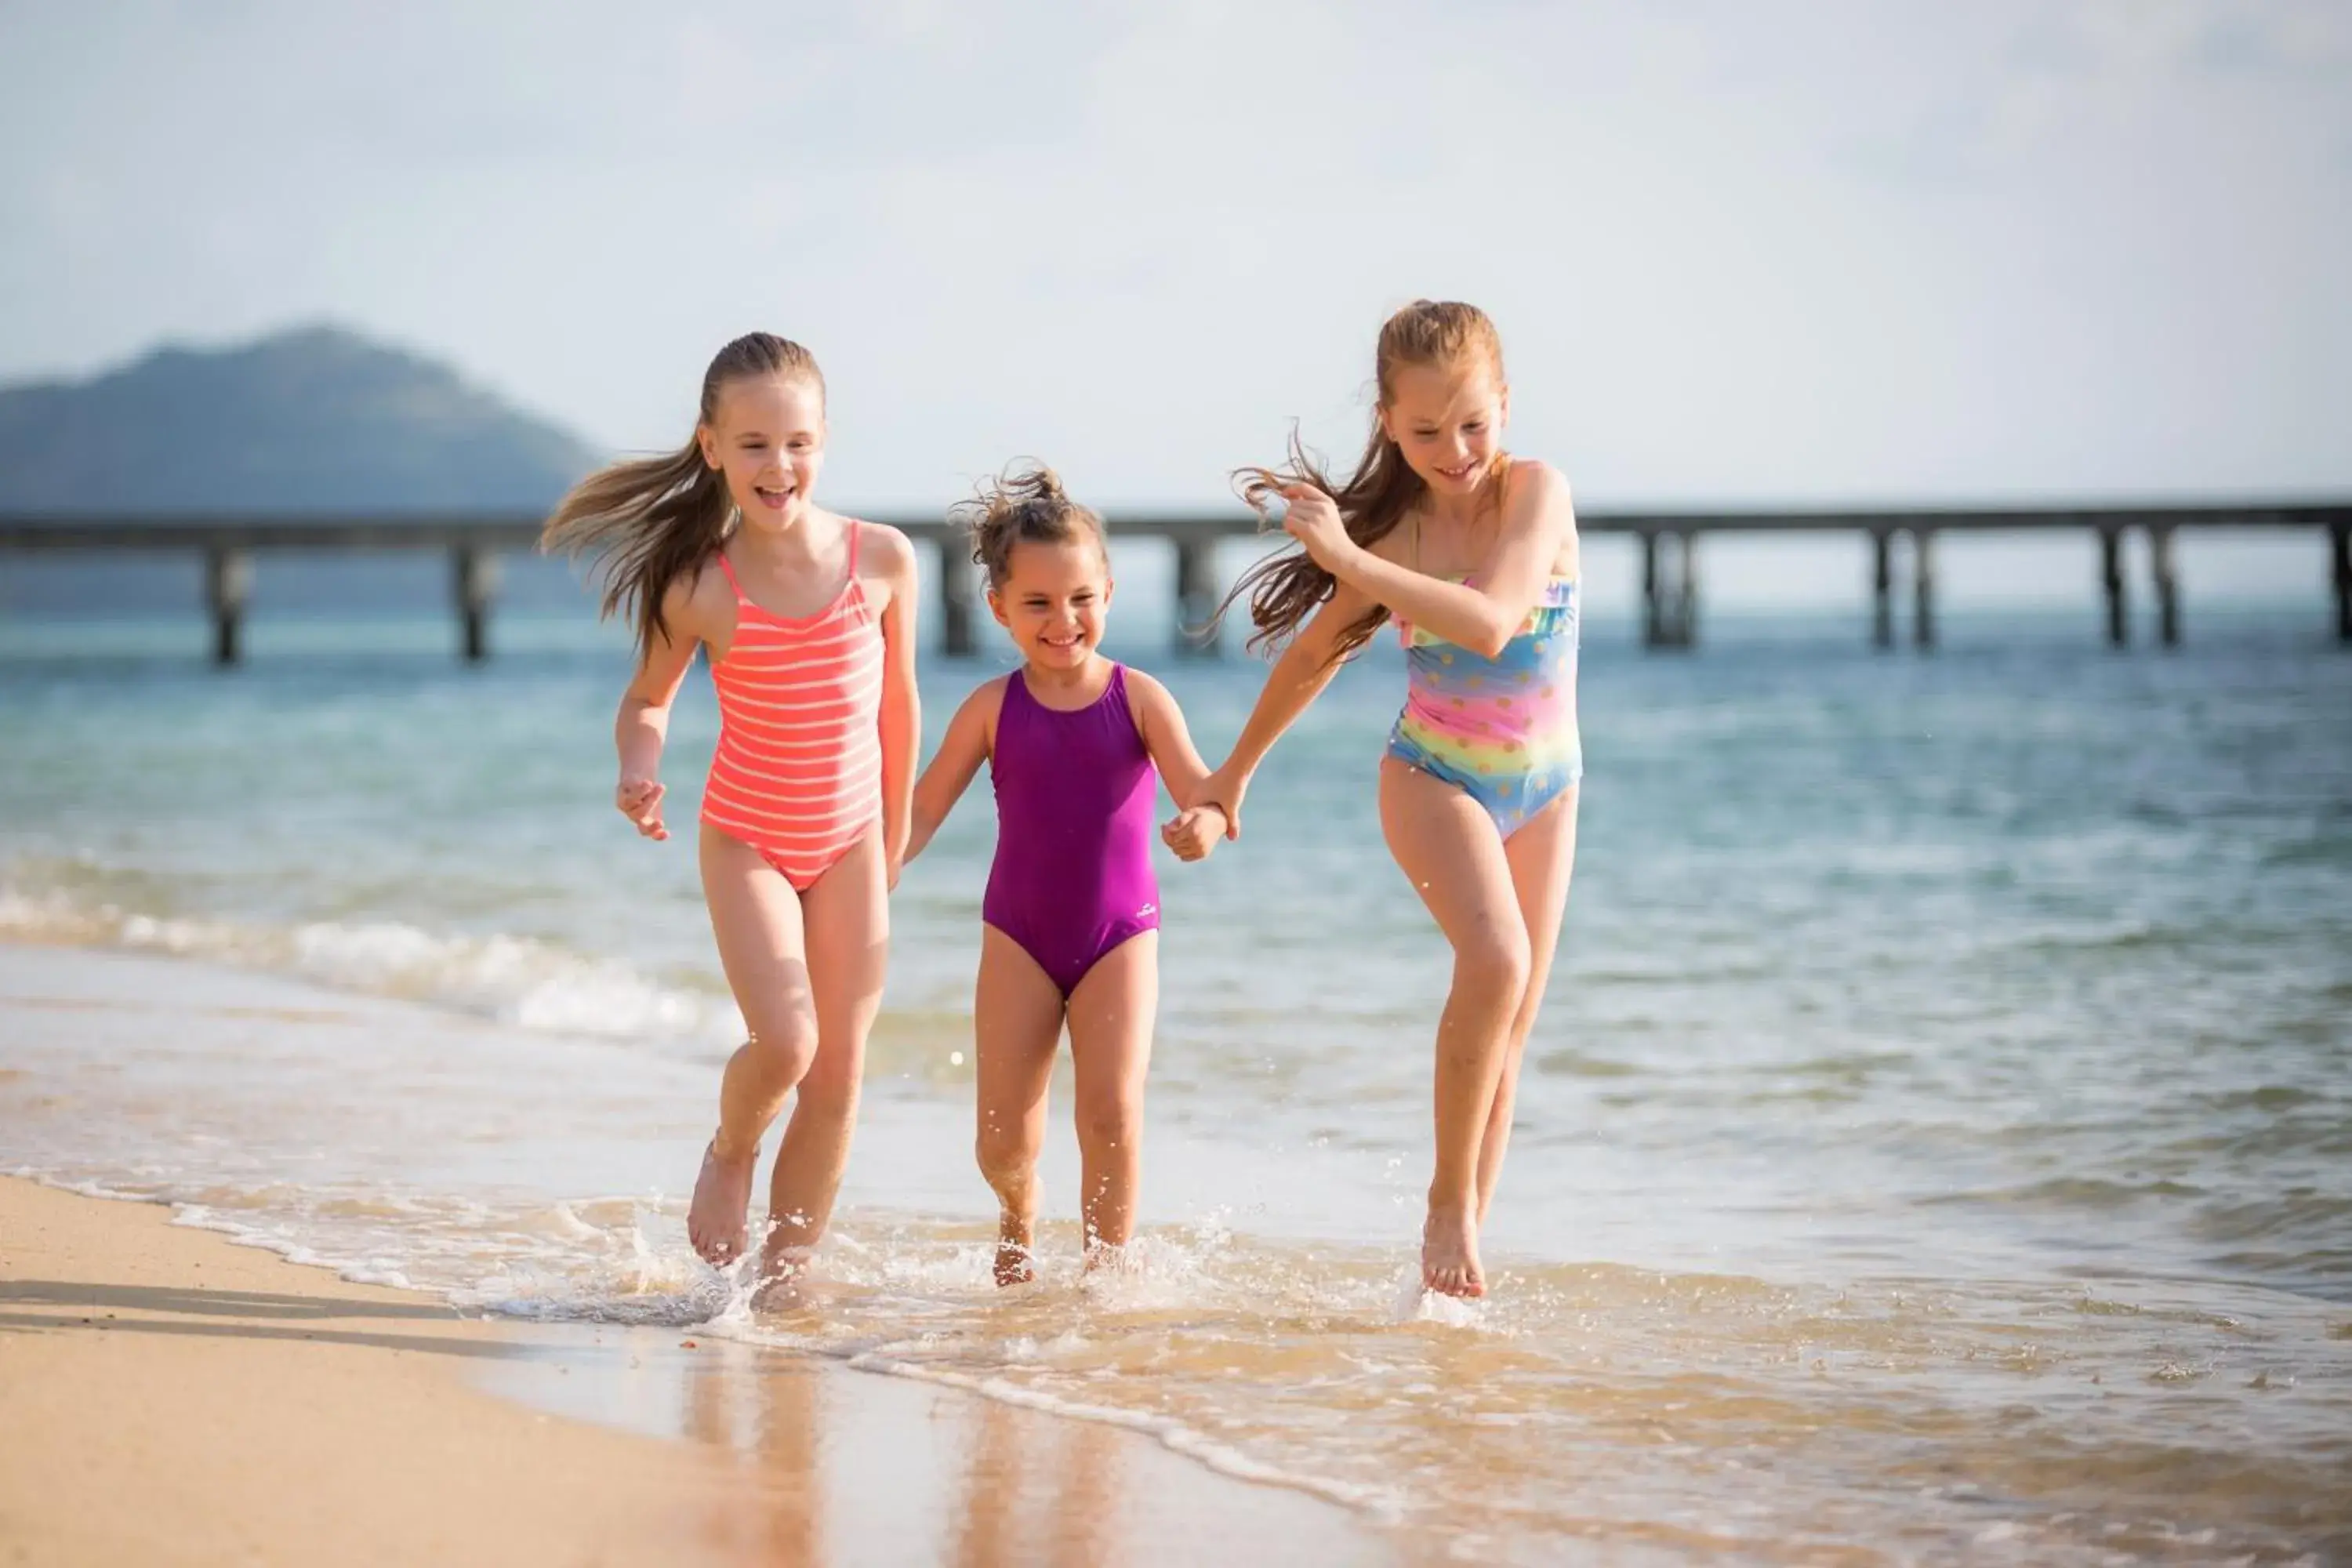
[(1501, 730)]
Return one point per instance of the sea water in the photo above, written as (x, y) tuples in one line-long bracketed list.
[(1936, 1144)]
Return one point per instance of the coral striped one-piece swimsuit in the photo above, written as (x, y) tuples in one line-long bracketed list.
[(798, 772)]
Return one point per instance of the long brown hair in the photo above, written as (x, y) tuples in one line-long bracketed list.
[(1285, 588), (648, 522), (1031, 504)]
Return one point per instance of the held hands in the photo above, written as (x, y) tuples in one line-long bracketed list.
[(1222, 793), (1191, 834), (639, 799)]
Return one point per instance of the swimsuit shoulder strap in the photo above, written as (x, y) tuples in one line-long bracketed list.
[(727, 567), (854, 590), (1119, 693)]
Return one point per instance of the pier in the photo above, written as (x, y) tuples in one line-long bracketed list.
[(1669, 547), (1670, 577)]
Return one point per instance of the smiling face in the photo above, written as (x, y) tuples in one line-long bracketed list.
[(766, 438), (1448, 422), (1053, 600)]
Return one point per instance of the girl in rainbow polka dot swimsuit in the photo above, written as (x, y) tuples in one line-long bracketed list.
[(1474, 552), (1501, 730)]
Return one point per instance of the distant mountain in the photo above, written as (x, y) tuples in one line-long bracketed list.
[(317, 419)]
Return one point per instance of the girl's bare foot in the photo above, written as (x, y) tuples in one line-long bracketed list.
[(783, 1275), (1111, 1256), (716, 1219), (1015, 1233), (1449, 1252)]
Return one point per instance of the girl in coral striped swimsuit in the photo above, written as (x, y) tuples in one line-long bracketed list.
[(798, 772), (809, 624)]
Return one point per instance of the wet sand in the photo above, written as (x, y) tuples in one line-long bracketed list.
[(166, 1396)]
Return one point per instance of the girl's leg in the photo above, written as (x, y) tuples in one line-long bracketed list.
[(846, 918), (1541, 856), (1447, 846), (1017, 1017), (1111, 1015), (756, 917)]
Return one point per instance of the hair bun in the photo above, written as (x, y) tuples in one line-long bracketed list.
[(1026, 501)]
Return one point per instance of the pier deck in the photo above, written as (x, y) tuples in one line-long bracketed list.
[(1668, 542)]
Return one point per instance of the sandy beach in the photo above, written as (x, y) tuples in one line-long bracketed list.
[(168, 1397)]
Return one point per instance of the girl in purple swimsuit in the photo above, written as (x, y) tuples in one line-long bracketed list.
[(1070, 923)]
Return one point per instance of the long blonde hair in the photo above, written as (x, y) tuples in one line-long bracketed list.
[(648, 521), (1285, 589)]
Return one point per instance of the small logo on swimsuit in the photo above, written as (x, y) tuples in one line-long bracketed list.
[(1147, 910)]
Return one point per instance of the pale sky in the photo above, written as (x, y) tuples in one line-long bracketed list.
[(1738, 250)]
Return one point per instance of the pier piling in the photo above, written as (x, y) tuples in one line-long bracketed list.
[(474, 582), (2166, 582), (228, 584), (1687, 615), (1658, 593), (1196, 594), (2111, 580), (2339, 536), (1882, 588), (1669, 588), (959, 637), (1923, 587)]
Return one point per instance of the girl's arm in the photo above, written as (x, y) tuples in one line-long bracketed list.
[(902, 712), (1161, 722), (1539, 522), (642, 726), (1199, 824), (1297, 679), (961, 751)]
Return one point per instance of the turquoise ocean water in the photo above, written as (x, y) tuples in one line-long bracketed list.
[(1937, 1144)]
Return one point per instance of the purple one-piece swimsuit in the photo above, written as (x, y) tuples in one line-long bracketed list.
[(1074, 792)]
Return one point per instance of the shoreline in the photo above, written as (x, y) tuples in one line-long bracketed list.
[(170, 1395)]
